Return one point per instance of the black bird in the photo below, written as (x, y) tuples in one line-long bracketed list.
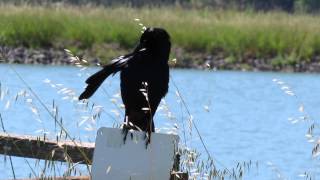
[(144, 78)]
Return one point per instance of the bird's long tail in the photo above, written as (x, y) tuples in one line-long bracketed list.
[(94, 81), (97, 79)]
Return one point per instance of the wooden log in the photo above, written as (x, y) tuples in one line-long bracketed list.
[(179, 176), (40, 148), (63, 178)]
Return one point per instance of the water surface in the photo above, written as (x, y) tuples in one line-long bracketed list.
[(242, 116)]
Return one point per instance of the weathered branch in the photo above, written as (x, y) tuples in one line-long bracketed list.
[(63, 178), (40, 148)]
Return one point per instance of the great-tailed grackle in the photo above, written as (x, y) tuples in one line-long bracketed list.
[(144, 78)]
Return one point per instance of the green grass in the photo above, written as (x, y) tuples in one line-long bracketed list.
[(230, 33)]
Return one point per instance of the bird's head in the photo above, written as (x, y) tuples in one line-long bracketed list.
[(157, 41)]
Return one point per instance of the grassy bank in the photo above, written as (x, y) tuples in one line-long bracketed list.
[(239, 35)]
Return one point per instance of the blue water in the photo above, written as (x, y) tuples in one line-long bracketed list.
[(241, 116)]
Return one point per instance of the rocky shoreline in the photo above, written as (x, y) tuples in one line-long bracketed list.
[(22, 55), (56, 56)]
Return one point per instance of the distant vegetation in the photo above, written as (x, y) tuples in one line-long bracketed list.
[(232, 33), (264, 5), (277, 38)]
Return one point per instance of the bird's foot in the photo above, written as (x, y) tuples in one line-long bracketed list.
[(127, 128), (125, 131)]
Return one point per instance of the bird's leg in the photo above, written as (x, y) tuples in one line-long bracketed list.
[(147, 138), (125, 130), (150, 129)]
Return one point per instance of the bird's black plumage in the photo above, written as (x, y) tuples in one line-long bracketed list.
[(144, 78)]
